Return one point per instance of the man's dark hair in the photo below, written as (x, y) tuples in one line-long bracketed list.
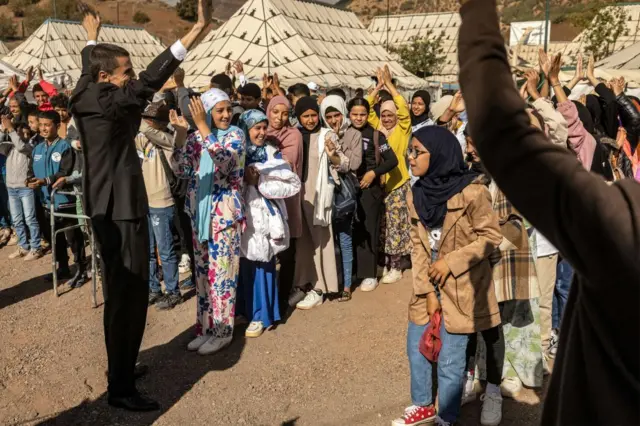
[(360, 101), (360, 93), (222, 82), (299, 90), (32, 111), (50, 115), (104, 57), (385, 96), (37, 88), (250, 89), (338, 92), (60, 101)]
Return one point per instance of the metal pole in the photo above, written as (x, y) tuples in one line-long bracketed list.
[(388, 24), (546, 25), (118, 12), (55, 13)]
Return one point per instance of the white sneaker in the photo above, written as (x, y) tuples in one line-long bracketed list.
[(369, 284), (491, 409), (184, 267), (511, 387), (469, 393), (310, 301), (214, 344), (440, 422), (255, 329), (19, 253), (195, 344), (393, 276)]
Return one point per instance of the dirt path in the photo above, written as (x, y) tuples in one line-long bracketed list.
[(338, 364)]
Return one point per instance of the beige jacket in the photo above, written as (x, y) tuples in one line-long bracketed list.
[(557, 127), (148, 141), (469, 235)]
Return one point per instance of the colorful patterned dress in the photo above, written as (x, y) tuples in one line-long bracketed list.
[(217, 260)]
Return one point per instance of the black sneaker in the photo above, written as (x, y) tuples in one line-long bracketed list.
[(79, 279), (63, 273), (169, 301), (155, 297)]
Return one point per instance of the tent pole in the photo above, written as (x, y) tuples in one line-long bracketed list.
[(388, 24), (546, 25)]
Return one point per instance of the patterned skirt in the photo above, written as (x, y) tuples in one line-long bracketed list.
[(395, 225)]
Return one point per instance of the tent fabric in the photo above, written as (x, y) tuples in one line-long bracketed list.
[(3, 49), (56, 46), (6, 71), (300, 41)]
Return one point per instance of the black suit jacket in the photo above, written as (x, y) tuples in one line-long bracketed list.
[(108, 118)]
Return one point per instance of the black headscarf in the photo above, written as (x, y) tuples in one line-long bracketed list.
[(448, 174), (426, 98), (595, 109), (585, 117), (303, 105)]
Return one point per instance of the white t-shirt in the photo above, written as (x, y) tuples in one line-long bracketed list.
[(543, 246)]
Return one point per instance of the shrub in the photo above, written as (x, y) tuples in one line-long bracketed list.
[(187, 9), (19, 7), (407, 5), (7, 28), (140, 17)]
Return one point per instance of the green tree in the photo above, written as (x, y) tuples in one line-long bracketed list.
[(20, 7), (422, 56), (608, 25), (141, 18), (187, 9), (7, 28), (35, 16)]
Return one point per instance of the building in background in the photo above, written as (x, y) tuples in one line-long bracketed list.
[(56, 45)]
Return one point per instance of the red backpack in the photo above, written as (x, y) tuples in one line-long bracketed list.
[(430, 344)]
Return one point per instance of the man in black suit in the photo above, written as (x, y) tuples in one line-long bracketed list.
[(107, 104)]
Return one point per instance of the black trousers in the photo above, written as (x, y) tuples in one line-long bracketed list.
[(124, 249), (287, 273), (366, 233), (494, 341), (70, 238)]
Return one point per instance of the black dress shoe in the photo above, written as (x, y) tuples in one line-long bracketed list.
[(62, 274), (134, 402), (78, 279)]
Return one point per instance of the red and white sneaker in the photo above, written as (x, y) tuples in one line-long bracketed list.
[(415, 415)]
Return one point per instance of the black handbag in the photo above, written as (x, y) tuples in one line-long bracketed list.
[(345, 197)]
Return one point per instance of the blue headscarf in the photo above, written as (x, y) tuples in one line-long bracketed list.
[(447, 175), (248, 119), (206, 168)]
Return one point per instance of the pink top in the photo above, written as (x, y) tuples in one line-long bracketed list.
[(580, 141)]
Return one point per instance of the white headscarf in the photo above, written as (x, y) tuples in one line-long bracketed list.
[(338, 103), (212, 97)]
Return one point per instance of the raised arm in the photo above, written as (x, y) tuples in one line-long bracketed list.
[(577, 211)]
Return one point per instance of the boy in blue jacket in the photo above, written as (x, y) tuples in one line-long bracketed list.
[(53, 158)]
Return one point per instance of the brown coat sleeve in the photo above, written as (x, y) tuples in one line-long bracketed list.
[(485, 225), (595, 226)]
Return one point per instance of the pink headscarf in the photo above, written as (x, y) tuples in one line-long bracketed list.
[(391, 107)]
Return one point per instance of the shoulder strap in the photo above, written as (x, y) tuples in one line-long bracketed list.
[(376, 144), (171, 177)]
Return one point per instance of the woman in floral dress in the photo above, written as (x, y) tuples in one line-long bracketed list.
[(213, 158)]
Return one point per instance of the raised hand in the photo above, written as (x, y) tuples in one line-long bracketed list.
[(533, 78), (204, 15), (177, 121), (457, 103), (523, 91), (90, 21), (13, 83), (178, 77), (7, 125), (238, 67), (554, 69), (544, 62), (198, 113), (169, 85), (30, 74), (617, 85)]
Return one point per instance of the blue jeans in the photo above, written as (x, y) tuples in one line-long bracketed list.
[(5, 216), (344, 230), (564, 276), (22, 203), (160, 220), (451, 373), (419, 367)]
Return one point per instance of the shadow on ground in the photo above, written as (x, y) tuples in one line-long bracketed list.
[(25, 290), (173, 371)]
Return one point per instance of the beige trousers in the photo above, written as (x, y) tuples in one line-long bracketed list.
[(546, 269)]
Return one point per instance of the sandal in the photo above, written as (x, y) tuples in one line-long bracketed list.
[(345, 296)]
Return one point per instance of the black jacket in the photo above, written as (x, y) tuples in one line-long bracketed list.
[(630, 118), (108, 118)]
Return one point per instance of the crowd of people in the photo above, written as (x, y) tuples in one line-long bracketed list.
[(246, 187)]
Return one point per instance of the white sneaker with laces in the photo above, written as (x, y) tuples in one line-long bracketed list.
[(369, 284), (195, 344), (510, 387), (440, 422), (491, 409), (184, 266), (310, 301), (214, 344), (393, 276), (255, 329)]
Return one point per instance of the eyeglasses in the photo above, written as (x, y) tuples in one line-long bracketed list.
[(412, 153)]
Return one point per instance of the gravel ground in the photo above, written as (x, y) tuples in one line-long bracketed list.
[(338, 364)]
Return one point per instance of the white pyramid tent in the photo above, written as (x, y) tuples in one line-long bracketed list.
[(6, 71), (56, 47), (301, 42), (3, 49)]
